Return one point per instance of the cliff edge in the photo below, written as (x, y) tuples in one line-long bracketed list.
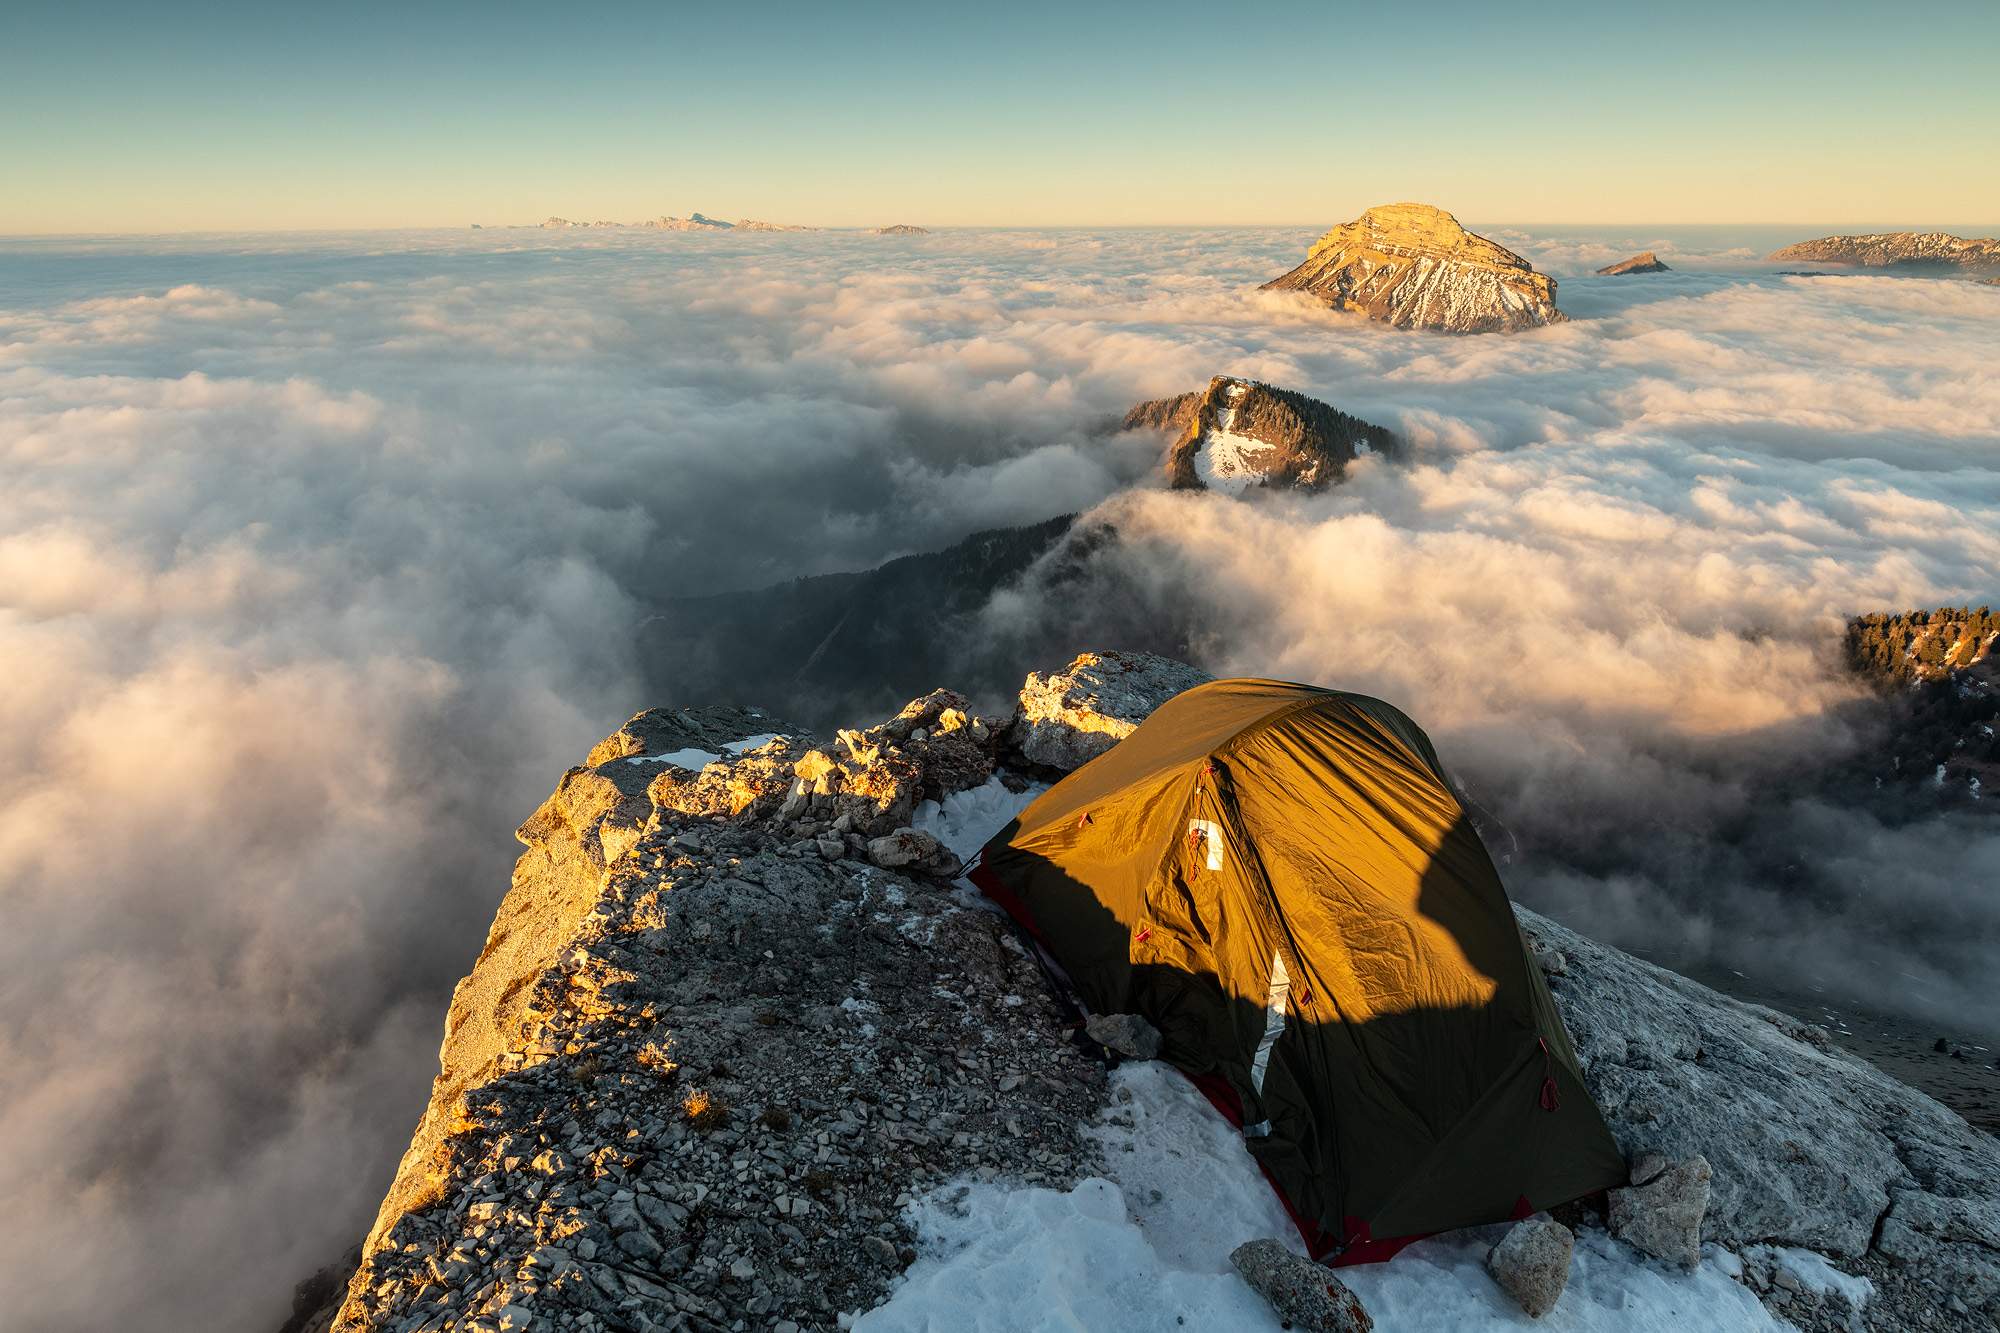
[(733, 1022)]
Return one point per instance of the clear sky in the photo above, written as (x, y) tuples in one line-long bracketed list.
[(146, 116)]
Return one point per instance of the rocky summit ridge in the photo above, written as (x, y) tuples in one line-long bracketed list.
[(1910, 251), (1240, 433), (1415, 267), (732, 1021)]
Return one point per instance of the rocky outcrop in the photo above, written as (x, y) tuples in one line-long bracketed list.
[(712, 1047), (1808, 1146), (1643, 262), (1069, 717), (902, 229), (1239, 433), (1919, 647), (1939, 674), (1414, 266), (1924, 252), (597, 815), (1174, 414)]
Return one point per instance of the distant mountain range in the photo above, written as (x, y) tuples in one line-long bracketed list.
[(693, 222), (1921, 252), (702, 222)]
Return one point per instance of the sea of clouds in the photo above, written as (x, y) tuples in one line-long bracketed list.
[(321, 557)]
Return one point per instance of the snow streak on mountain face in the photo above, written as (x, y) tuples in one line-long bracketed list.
[(320, 558)]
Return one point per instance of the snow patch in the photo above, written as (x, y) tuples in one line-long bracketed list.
[(1148, 1248), (1224, 460), (691, 759), (1228, 462), (695, 760), (967, 820), (1814, 1273)]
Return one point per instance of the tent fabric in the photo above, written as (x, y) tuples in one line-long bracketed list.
[(1280, 878)]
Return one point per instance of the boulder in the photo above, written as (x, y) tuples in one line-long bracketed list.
[(1662, 1216), (1304, 1294), (916, 851), (1069, 717), (1128, 1034), (873, 779), (1531, 1263)]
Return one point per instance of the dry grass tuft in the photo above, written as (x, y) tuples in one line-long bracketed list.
[(653, 1056), (704, 1112)]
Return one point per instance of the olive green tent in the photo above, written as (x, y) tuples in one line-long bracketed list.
[(1280, 878)]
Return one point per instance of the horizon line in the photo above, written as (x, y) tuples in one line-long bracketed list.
[(1873, 225)]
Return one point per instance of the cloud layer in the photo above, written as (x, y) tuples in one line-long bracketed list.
[(318, 563)]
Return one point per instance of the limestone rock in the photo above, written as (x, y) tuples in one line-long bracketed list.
[(1531, 1263), (1662, 1216), (1239, 433), (1643, 262), (1304, 1294), (1128, 1034), (1414, 266), (1069, 717), (1810, 1147), (1907, 251), (584, 832), (869, 782), (695, 1078)]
